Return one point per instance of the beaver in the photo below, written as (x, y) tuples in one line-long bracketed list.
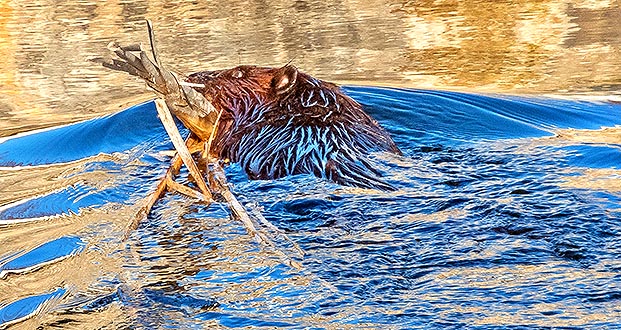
[(274, 122), (277, 122)]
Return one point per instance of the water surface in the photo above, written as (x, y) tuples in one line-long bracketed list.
[(509, 195), (506, 214), (526, 46)]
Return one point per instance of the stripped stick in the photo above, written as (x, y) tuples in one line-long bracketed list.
[(182, 150), (192, 143), (219, 183), (184, 99), (263, 221), (239, 211)]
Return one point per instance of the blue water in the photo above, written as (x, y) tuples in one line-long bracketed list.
[(486, 231)]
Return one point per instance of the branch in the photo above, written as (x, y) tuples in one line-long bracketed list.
[(182, 150)]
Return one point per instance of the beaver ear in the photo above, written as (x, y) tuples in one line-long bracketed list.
[(284, 79)]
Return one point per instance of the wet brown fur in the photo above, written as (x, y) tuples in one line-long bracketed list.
[(280, 121)]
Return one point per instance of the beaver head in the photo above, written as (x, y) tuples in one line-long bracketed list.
[(280, 121)]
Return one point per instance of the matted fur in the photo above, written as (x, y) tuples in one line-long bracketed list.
[(279, 121)]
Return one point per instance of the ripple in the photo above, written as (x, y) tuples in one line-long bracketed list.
[(488, 222)]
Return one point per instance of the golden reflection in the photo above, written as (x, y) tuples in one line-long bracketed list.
[(515, 278), (595, 179), (598, 179), (76, 273), (594, 4), (7, 48), (19, 184), (100, 228), (605, 135), (438, 217), (113, 317), (487, 45), (588, 178), (503, 46)]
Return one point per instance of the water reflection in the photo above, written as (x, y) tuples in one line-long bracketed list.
[(516, 46), (508, 207), (492, 218)]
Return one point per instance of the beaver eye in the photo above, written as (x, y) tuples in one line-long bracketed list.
[(237, 74)]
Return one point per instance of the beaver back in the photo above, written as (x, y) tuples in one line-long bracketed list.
[(280, 121)]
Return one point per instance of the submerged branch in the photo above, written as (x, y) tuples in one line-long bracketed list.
[(192, 143), (184, 101), (182, 150), (239, 212)]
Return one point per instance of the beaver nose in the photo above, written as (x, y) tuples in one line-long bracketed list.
[(212, 74), (203, 76)]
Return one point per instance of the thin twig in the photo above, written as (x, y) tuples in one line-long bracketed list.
[(221, 184), (212, 135), (257, 214), (240, 213), (185, 190), (175, 137), (156, 58), (175, 165)]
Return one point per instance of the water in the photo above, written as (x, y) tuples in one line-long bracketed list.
[(507, 213), (527, 46), (508, 208)]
